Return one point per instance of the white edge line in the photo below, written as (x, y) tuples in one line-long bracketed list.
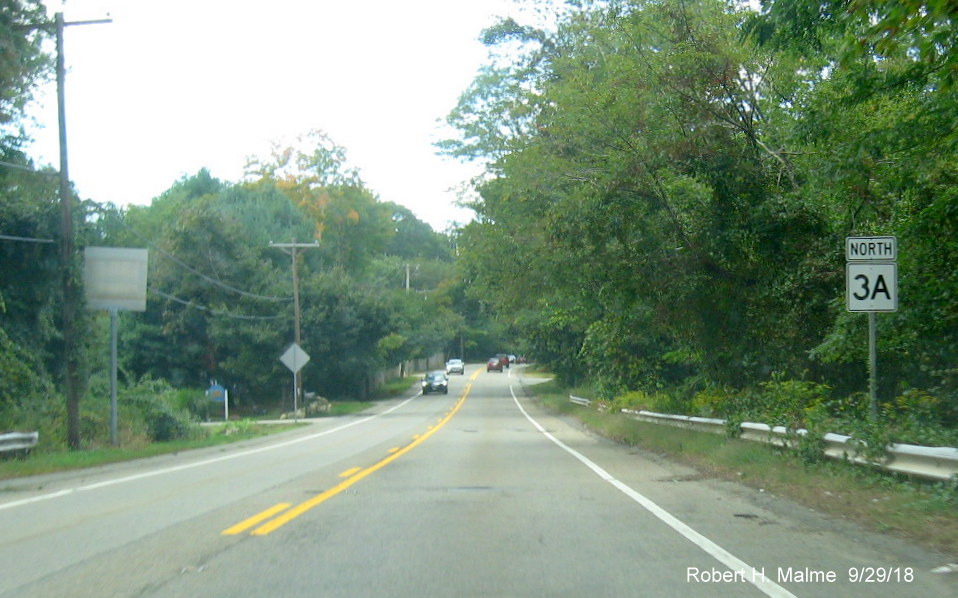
[(728, 559), (150, 474)]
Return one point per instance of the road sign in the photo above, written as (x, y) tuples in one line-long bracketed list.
[(115, 277), (871, 249), (216, 393), (219, 394), (871, 286), (294, 358)]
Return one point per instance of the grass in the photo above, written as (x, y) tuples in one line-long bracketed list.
[(337, 408), (64, 460), (51, 461), (924, 513), (396, 387), (536, 371)]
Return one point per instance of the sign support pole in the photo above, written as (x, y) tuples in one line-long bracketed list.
[(114, 437), (871, 279), (295, 403), (115, 278), (295, 358), (873, 365)]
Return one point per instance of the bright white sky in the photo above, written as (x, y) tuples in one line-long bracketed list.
[(173, 86)]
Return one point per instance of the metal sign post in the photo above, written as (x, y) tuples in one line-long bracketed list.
[(114, 410), (871, 286), (114, 279), (218, 393), (295, 358)]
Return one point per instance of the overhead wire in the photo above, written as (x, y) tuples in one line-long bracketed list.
[(215, 312), (209, 279), (27, 168), (26, 239), (173, 258)]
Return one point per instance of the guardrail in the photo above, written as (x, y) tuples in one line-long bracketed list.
[(14, 442), (933, 463), (580, 401)]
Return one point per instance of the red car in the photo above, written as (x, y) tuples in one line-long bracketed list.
[(493, 364)]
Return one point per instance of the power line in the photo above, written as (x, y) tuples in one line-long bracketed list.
[(150, 245), (26, 239), (209, 278), (215, 312), (28, 169)]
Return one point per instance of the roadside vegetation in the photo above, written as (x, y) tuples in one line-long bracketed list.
[(49, 460), (923, 512), (165, 421), (676, 180), (378, 288), (662, 218)]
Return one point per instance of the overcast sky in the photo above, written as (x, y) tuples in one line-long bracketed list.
[(172, 86)]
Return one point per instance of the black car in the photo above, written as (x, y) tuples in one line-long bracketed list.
[(435, 382)]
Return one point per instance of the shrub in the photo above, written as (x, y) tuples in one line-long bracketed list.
[(635, 400), (657, 401), (788, 403), (153, 402), (715, 402), (23, 388)]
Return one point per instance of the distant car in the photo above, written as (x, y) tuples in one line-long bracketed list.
[(512, 358), (503, 359), (494, 363), (455, 366), (435, 382)]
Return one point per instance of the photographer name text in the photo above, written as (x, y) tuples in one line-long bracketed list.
[(802, 575)]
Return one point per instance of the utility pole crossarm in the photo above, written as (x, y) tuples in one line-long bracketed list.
[(90, 22), (294, 245)]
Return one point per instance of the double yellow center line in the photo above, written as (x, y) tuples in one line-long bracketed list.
[(352, 476)]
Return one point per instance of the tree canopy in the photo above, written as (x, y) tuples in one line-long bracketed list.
[(680, 178)]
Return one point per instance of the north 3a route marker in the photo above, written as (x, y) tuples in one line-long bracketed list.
[(871, 286)]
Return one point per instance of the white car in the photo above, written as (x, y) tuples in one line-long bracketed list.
[(455, 366)]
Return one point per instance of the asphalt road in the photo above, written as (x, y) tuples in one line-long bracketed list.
[(474, 493)]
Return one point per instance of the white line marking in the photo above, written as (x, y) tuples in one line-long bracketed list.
[(150, 474), (728, 559)]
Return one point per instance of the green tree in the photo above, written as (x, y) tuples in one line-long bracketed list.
[(218, 290), (220, 295), (684, 175), (28, 217), (23, 63)]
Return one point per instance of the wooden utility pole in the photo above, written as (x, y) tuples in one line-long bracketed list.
[(72, 382), (73, 385), (292, 247)]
